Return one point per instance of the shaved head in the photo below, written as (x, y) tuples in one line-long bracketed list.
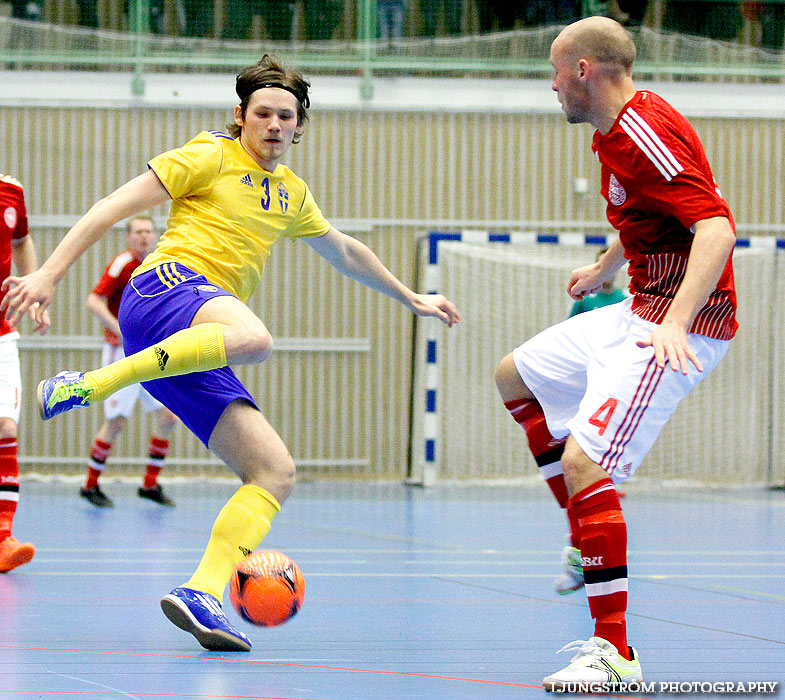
[(592, 71), (601, 39)]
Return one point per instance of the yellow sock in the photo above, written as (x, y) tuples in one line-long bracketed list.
[(239, 528), (194, 349)]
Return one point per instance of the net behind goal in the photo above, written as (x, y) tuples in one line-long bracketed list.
[(725, 432)]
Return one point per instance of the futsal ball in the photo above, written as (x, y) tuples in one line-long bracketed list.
[(267, 588)]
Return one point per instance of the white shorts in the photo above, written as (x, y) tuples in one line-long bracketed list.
[(594, 383), (121, 403), (10, 377)]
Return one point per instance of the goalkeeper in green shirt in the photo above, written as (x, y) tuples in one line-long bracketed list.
[(608, 294)]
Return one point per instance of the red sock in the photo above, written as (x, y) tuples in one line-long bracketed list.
[(604, 557), (98, 456), (613, 627), (9, 485), (158, 451), (547, 452)]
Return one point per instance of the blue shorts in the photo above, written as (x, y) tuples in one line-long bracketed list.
[(157, 304)]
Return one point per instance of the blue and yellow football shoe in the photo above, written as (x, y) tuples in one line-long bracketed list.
[(61, 393), (202, 615)]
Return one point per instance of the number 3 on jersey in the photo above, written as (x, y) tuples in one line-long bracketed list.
[(602, 416), (265, 201)]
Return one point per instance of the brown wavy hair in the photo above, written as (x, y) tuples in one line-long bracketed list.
[(270, 72)]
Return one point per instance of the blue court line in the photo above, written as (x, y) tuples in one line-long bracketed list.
[(748, 592), (561, 601)]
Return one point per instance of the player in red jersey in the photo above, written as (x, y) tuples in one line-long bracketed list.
[(104, 303), (17, 246), (594, 391)]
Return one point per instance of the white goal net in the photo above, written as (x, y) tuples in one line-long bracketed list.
[(726, 432)]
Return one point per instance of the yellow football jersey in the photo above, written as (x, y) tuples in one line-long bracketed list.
[(226, 211)]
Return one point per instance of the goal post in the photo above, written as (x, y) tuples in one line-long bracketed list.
[(508, 287)]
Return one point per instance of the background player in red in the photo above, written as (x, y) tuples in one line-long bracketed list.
[(104, 302), (16, 245), (601, 385)]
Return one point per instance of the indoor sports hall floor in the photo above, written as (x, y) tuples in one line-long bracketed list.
[(442, 594)]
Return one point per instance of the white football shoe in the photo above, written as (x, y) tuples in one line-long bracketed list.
[(597, 663)]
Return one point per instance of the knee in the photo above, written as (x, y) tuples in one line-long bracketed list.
[(166, 421), (7, 428), (261, 344), (278, 478), (509, 382), (286, 479), (502, 374), (580, 471), (112, 428), (570, 467), (573, 459)]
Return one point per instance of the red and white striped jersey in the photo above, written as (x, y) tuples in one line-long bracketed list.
[(658, 183), (112, 284), (13, 227)]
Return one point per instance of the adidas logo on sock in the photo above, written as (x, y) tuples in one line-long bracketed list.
[(163, 357)]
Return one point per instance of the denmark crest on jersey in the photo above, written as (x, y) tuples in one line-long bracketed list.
[(9, 215), (616, 193)]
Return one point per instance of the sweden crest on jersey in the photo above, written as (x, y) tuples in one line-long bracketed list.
[(283, 197)]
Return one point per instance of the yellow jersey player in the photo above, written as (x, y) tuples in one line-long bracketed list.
[(184, 318)]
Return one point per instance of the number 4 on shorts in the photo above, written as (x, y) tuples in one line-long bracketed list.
[(602, 416)]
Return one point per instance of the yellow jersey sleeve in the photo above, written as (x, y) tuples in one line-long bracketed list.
[(310, 221), (190, 170)]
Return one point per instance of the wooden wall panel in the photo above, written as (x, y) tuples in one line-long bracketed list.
[(389, 177)]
